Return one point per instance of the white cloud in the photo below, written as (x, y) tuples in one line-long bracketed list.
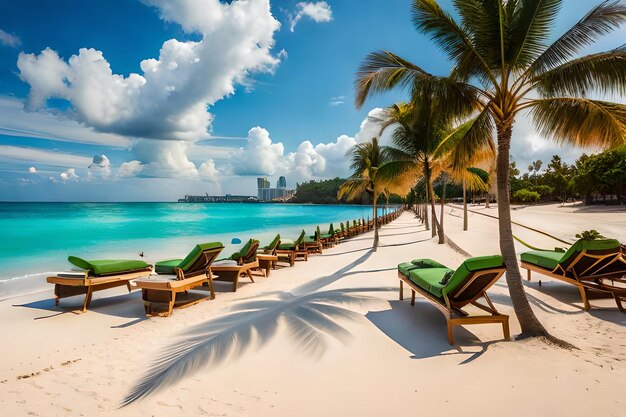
[(32, 170), (14, 121), (262, 156), (336, 101), (130, 169), (8, 39), (100, 166), (42, 157), (69, 175), (319, 12), (370, 127), (165, 159), (208, 171), (169, 99)]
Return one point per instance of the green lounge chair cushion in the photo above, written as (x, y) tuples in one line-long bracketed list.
[(108, 266), (241, 252), (272, 244), (167, 267), (470, 265), (287, 244), (407, 267), (429, 279), (550, 259), (427, 263), (310, 239), (543, 258), (193, 256)]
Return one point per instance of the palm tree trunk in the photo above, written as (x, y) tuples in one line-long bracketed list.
[(443, 202), (436, 228), (375, 246), (464, 205), (529, 323), (426, 210)]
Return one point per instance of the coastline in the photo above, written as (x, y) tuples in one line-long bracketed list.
[(86, 363), (30, 274)]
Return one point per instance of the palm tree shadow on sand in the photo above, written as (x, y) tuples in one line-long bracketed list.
[(311, 317)]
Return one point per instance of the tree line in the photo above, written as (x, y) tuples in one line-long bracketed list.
[(599, 178)]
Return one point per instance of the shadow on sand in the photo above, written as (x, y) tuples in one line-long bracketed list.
[(123, 305), (421, 330), (311, 318)]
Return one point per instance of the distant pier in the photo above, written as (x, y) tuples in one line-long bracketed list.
[(219, 199)]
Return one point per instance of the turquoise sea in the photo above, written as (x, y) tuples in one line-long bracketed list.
[(37, 238)]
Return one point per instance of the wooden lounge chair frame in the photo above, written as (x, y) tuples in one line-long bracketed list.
[(316, 246), (594, 275), (474, 287), (165, 291), (245, 264), (291, 255), (68, 285)]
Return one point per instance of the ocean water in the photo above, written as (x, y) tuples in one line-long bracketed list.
[(37, 238)]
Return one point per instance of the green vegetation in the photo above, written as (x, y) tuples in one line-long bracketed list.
[(526, 196), (318, 192), (590, 235), (597, 178), (367, 160), (325, 192)]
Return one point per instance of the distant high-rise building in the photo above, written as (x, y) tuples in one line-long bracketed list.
[(263, 187), (265, 193)]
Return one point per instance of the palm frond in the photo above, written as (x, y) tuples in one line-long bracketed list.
[(601, 20), (430, 19), (352, 189), (603, 72), (531, 24), (580, 121), (470, 143), (481, 21), (382, 71)]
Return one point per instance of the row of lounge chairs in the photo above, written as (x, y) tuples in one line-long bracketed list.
[(170, 278), (590, 265)]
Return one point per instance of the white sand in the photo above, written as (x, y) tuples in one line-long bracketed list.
[(395, 362)]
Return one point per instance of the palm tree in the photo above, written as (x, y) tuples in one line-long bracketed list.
[(367, 158), (473, 179), (499, 51), (428, 144)]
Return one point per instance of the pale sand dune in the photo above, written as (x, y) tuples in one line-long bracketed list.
[(396, 361)]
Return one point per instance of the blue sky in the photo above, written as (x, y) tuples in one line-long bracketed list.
[(153, 99)]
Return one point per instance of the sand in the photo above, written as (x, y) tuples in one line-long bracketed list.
[(375, 356)]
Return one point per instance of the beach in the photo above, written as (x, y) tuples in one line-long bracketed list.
[(373, 356)]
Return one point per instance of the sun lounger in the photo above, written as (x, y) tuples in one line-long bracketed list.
[(314, 243), (597, 265), (293, 249), (271, 248), (451, 290), (179, 276), (328, 239), (267, 256), (98, 275), (238, 264)]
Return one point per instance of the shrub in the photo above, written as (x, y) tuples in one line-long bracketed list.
[(545, 191), (526, 196)]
